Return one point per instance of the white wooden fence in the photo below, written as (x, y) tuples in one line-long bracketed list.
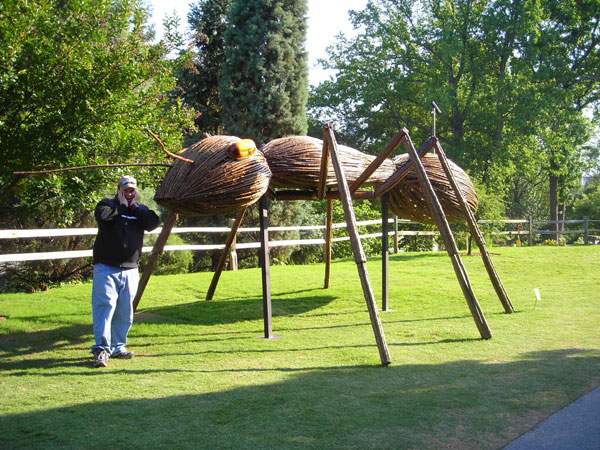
[(49, 233)]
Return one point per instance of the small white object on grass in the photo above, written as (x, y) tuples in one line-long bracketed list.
[(538, 296)]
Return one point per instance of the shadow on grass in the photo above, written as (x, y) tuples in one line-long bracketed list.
[(218, 312), (196, 313), (460, 404), (29, 342)]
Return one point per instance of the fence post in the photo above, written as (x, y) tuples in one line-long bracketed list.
[(530, 241), (586, 230), (233, 260)]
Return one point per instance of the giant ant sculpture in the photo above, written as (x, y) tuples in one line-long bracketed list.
[(225, 174)]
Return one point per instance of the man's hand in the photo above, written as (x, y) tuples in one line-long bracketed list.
[(127, 197), (121, 197)]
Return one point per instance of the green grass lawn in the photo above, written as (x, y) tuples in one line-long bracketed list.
[(204, 378)]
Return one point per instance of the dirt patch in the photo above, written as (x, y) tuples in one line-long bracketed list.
[(3, 318)]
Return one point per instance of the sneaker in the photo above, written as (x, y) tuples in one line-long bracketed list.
[(123, 355), (100, 358)]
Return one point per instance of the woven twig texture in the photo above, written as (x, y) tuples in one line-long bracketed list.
[(407, 199), (215, 183), (295, 162)]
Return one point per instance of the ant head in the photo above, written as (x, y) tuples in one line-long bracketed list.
[(226, 174)]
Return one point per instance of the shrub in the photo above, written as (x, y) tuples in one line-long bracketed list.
[(169, 263)]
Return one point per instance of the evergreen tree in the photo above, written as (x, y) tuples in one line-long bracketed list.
[(199, 81), (264, 85)]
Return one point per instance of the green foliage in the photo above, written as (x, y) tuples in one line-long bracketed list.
[(287, 214), (363, 210), (491, 204), (170, 262), (416, 243), (31, 276), (587, 205), (553, 242), (264, 75), (511, 89), (79, 83), (199, 79)]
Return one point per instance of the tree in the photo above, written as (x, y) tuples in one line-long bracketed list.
[(199, 80), (500, 70), (564, 61), (264, 79), (79, 83)]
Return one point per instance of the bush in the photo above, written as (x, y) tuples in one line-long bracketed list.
[(587, 205), (169, 262)]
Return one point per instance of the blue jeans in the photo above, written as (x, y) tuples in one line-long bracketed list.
[(113, 292)]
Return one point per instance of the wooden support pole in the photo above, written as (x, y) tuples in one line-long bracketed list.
[(385, 253), (328, 242), (263, 212), (586, 230), (397, 177), (323, 170), (476, 233), (359, 255), (393, 145), (225, 253), (157, 250), (437, 212), (395, 234)]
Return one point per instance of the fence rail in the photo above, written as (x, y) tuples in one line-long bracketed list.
[(65, 232)]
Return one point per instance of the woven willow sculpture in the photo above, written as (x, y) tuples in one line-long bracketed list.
[(218, 183), (295, 162), (223, 174), (408, 201)]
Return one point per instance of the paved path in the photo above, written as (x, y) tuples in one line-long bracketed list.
[(575, 427)]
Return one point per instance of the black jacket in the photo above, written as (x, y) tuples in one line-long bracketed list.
[(121, 232)]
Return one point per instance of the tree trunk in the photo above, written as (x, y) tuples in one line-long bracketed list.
[(554, 204)]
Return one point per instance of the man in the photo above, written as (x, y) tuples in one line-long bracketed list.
[(117, 249)]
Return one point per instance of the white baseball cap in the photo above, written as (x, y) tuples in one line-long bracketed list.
[(127, 182)]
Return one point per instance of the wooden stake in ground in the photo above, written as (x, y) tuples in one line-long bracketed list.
[(224, 254), (328, 242), (265, 263), (438, 213), (385, 253), (157, 250), (359, 255), (476, 233)]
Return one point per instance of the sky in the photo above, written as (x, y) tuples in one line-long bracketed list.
[(326, 19)]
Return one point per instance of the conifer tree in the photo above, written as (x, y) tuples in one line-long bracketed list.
[(264, 86), (199, 81)]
